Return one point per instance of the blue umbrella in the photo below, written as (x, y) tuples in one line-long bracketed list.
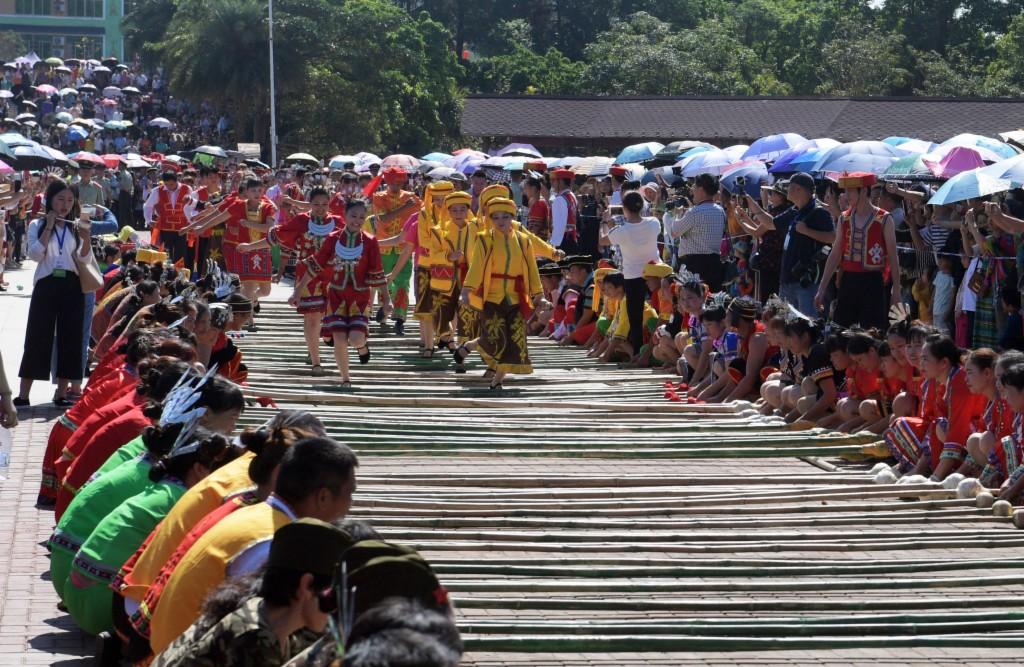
[(752, 170), (435, 157), (972, 140), (77, 133), (966, 185), (840, 158), (639, 152), (1011, 170), (772, 146), (13, 139), (895, 141), (807, 161), (783, 163)]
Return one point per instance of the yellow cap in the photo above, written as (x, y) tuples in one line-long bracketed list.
[(501, 205), (458, 198)]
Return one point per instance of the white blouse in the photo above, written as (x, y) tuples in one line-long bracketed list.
[(58, 254)]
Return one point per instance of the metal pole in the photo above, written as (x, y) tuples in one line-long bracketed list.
[(273, 103)]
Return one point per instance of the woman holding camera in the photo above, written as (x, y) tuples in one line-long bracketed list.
[(57, 245), (637, 239)]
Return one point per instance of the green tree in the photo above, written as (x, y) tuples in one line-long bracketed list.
[(11, 45), (1005, 73), (642, 55), (144, 26), (864, 63)]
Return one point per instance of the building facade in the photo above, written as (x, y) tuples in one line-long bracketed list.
[(66, 28)]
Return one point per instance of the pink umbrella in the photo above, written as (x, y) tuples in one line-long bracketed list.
[(112, 160), (956, 161), (46, 89), (406, 162), (107, 102), (5, 168), (85, 156)]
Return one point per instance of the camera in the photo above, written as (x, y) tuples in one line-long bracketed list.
[(808, 272)]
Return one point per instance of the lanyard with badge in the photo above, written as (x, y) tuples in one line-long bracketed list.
[(797, 219), (58, 272)]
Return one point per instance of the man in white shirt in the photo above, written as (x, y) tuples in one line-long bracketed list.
[(564, 212)]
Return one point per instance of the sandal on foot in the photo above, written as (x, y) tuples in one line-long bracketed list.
[(20, 402), (495, 386), (346, 384), (489, 373), (460, 368), (364, 357), (460, 353), (318, 370)]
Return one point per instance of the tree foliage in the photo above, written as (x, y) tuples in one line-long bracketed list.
[(11, 45), (389, 74)]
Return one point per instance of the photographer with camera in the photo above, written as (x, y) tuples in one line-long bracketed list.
[(698, 233), (767, 257), (807, 228)]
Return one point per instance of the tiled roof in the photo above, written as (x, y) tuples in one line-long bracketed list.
[(725, 118)]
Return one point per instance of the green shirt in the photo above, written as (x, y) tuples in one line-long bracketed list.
[(133, 449), (98, 498)]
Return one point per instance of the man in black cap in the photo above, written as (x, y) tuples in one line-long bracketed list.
[(807, 227), (295, 593)]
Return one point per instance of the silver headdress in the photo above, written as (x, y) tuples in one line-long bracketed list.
[(178, 409), (685, 276)]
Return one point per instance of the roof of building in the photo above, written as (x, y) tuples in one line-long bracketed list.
[(672, 118)]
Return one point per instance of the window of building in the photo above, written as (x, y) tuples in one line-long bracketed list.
[(34, 7), (85, 8)]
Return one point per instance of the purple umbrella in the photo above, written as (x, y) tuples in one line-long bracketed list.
[(783, 162)]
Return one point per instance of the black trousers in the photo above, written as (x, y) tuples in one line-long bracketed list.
[(863, 299), (125, 214), (709, 267), (636, 295), (57, 308), (202, 253), (177, 247)]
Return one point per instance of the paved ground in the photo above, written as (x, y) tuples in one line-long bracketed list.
[(544, 535)]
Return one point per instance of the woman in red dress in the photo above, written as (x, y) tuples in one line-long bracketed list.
[(349, 265), (304, 234)]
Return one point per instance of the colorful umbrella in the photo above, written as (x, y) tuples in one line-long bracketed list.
[(784, 163), (908, 167), (77, 133), (1011, 169), (675, 151), (639, 152), (401, 161), (304, 158), (339, 161), (752, 170), (986, 154), (708, 162), (117, 125), (46, 89), (976, 141), (969, 185), (112, 160), (956, 161), (215, 151), (870, 156), (915, 147), (54, 61), (436, 157), (85, 156), (772, 146), (525, 150)]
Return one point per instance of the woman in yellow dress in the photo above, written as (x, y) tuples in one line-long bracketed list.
[(504, 284)]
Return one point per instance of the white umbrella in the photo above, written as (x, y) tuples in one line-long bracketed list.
[(160, 121), (111, 92), (440, 173)]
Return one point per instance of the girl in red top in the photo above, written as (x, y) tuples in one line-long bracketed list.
[(863, 379), (304, 234), (349, 264), (116, 384), (878, 412), (899, 339), (246, 219), (958, 410), (986, 458), (1012, 381)]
